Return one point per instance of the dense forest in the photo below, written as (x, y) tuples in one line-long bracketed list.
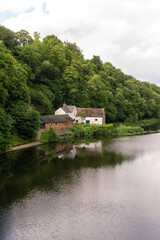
[(37, 77)]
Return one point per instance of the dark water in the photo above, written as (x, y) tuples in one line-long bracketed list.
[(105, 190)]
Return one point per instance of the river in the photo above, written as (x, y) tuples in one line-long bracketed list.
[(108, 189)]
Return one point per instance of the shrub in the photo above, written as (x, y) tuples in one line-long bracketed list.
[(77, 131), (50, 136), (89, 132), (100, 130), (125, 130)]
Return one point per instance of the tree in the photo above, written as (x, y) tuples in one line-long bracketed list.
[(70, 78), (98, 63), (9, 38), (41, 101), (25, 120), (36, 36), (82, 115), (24, 38), (5, 129), (13, 79)]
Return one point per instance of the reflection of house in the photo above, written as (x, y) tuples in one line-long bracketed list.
[(62, 151), (63, 147), (56, 121), (92, 149), (86, 115), (67, 154)]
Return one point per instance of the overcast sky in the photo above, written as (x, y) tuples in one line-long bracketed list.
[(123, 32)]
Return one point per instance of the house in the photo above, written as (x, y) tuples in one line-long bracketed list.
[(90, 115), (61, 121), (86, 115), (67, 109)]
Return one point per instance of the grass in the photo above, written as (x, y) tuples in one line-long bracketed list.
[(17, 140)]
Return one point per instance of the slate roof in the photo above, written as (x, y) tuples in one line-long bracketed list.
[(55, 118), (71, 108), (66, 109), (91, 112)]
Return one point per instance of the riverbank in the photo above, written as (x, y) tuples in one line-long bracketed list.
[(27, 145), (140, 127), (82, 132)]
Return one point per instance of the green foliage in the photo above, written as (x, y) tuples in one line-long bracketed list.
[(123, 130), (132, 118), (50, 136), (98, 130), (9, 38), (41, 102), (90, 131), (25, 120), (24, 38), (5, 129), (48, 73), (77, 131), (12, 79), (143, 123), (82, 115), (17, 140), (57, 72)]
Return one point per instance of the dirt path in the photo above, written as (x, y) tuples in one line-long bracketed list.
[(27, 145)]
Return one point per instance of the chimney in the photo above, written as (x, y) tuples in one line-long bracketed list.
[(64, 104)]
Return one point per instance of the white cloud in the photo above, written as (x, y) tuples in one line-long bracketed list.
[(124, 32), (17, 6)]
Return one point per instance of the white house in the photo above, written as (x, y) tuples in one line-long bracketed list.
[(86, 115), (66, 109), (91, 115)]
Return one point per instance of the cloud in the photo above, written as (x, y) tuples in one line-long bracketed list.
[(126, 33), (18, 6)]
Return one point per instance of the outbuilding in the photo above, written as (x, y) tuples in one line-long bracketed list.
[(62, 121)]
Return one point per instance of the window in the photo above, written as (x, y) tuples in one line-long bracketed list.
[(96, 119), (42, 125), (76, 120)]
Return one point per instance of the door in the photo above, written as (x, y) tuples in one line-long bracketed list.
[(42, 125)]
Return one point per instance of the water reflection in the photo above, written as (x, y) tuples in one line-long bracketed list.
[(108, 189), (23, 170)]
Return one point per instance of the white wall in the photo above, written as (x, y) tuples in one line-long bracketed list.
[(73, 114), (59, 111), (91, 119)]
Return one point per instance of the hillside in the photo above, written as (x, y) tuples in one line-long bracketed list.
[(37, 77)]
